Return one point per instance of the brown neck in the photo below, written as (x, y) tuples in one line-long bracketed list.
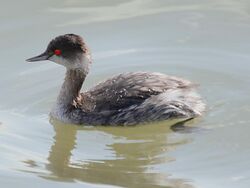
[(71, 88)]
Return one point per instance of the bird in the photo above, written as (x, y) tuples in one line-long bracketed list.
[(130, 98)]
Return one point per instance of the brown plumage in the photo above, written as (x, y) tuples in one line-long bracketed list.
[(125, 99)]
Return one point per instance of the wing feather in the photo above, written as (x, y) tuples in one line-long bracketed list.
[(128, 89)]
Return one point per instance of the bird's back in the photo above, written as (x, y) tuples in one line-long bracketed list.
[(135, 97)]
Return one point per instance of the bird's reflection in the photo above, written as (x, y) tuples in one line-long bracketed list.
[(136, 151)]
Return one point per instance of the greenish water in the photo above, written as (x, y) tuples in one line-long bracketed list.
[(207, 42)]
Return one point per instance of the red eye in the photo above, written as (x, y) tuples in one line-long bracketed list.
[(57, 52)]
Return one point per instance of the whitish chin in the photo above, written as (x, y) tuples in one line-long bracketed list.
[(78, 63)]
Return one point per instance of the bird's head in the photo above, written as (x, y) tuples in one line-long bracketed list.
[(68, 50)]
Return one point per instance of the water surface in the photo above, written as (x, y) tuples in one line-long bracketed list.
[(207, 42)]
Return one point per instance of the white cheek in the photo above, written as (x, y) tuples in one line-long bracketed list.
[(79, 63), (59, 60)]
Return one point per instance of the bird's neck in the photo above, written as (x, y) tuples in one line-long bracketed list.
[(70, 89)]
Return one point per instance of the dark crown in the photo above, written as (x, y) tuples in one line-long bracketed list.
[(69, 44)]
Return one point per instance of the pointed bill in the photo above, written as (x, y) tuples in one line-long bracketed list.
[(41, 57)]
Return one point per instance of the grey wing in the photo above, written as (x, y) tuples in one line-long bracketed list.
[(133, 88)]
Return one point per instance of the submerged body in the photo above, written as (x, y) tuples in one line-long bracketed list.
[(126, 99)]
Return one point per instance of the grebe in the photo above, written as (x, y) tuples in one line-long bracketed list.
[(126, 99)]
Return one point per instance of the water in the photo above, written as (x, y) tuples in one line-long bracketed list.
[(206, 41)]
